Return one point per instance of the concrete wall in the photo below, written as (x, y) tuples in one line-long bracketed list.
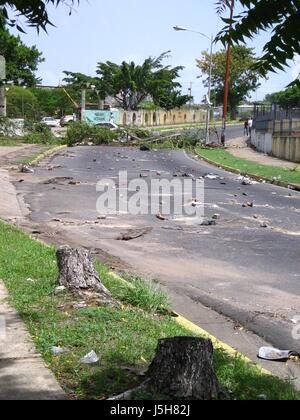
[(145, 118), (287, 148), (262, 136), (262, 141), (278, 138)]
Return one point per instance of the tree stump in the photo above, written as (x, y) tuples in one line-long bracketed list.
[(77, 273), (183, 369)]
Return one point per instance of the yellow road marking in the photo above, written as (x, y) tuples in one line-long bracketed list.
[(190, 326)]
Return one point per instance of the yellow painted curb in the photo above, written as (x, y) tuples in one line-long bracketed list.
[(183, 322), (195, 329), (190, 326), (48, 153)]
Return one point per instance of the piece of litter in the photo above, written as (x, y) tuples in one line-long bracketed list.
[(159, 216), (59, 289), (212, 176), (264, 224), (270, 353), (80, 305), (58, 350), (144, 148), (208, 223), (248, 204), (30, 280), (246, 180), (25, 169), (90, 358), (216, 216)]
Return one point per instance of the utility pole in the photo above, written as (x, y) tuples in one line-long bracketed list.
[(2, 87), (190, 93), (83, 104), (226, 89), (207, 140)]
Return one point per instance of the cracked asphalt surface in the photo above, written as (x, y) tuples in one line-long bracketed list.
[(238, 268)]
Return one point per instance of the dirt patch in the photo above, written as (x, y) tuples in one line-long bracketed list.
[(10, 156), (239, 149)]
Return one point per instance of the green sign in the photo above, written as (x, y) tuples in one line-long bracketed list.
[(101, 117), (2, 67)]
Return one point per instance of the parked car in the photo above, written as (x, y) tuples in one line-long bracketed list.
[(67, 120), (109, 125), (50, 122)]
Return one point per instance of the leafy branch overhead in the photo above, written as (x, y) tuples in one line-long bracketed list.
[(34, 11), (130, 84), (21, 61), (280, 17)]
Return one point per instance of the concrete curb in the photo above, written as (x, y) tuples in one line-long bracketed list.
[(190, 326), (46, 154), (290, 186)]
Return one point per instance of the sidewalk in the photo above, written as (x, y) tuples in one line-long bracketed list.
[(23, 375), (10, 207), (239, 149)]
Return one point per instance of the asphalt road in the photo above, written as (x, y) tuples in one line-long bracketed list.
[(240, 269)]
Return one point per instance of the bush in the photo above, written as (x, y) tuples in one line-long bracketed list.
[(190, 138), (81, 132), (39, 134)]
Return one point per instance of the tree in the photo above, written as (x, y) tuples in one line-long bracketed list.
[(131, 84), (35, 12), (21, 103), (21, 61), (288, 98), (53, 102), (282, 17), (244, 78)]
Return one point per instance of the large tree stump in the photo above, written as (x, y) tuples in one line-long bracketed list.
[(183, 369), (77, 273)]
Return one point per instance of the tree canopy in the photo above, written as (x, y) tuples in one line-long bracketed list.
[(244, 78), (34, 11), (288, 98), (131, 84), (280, 17), (21, 61)]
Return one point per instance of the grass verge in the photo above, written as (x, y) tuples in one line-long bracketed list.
[(246, 167), (42, 153), (10, 141), (125, 339)]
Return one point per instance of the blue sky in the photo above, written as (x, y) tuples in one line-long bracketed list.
[(118, 30)]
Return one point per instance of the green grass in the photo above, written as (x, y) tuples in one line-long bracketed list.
[(222, 157), (125, 339), (10, 141), (43, 148)]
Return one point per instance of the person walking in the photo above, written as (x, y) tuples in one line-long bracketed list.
[(246, 128), (250, 125)]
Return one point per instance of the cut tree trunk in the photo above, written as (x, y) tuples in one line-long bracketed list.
[(77, 273), (181, 370)]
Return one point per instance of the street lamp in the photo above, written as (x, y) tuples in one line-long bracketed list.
[(208, 98)]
